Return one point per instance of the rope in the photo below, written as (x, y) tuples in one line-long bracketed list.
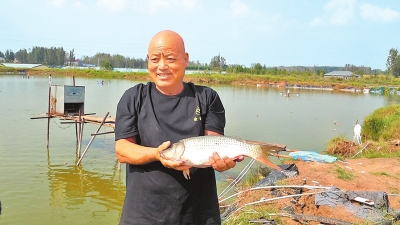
[(237, 179), (62, 127)]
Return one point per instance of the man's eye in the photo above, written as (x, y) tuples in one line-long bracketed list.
[(154, 59), (171, 59)]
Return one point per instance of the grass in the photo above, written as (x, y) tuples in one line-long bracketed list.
[(343, 174), (248, 214), (383, 124), (382, 174)]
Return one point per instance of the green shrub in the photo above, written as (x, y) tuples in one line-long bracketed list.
[(383, 124)]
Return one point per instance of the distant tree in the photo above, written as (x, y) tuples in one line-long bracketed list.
[(71, 56), (106, 65), (218, 61), (22, 56), (237, 68), (9, 55), (1, 54), (391, 60), (396, 68), (257, 68), (320, 72)]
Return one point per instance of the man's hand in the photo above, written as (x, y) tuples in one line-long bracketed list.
[(176, 165), (221, 164)]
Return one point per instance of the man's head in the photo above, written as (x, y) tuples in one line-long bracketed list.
[(167, 61)]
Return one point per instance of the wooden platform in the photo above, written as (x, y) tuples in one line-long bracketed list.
[(97, 120)]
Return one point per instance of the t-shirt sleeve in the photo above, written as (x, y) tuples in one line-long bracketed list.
[(127, 113), (215, 113)]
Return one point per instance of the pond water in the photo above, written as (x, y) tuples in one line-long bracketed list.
[(43, 186)]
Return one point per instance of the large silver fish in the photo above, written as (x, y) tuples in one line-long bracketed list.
[(195, 151)]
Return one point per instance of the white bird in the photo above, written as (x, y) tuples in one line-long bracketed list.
[(357, 133)]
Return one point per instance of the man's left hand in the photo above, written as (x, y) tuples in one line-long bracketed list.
[(222, 164)]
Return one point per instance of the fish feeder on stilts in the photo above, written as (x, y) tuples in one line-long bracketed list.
[(67, 103)]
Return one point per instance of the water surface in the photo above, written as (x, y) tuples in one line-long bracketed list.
[(43, 186)]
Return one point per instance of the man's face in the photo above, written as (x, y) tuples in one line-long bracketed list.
[(167, 61)]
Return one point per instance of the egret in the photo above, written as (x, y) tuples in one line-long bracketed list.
[(357, 133)]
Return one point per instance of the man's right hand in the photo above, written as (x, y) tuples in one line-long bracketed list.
[(176, 165)]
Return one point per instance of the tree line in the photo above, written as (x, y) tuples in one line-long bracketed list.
[(58, 57), (393, 62)]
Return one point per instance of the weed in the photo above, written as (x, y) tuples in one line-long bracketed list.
[(344, 174), (382, 174)]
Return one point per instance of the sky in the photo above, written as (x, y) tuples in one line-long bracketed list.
[(270, 32)]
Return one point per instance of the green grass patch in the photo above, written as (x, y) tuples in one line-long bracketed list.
[(382, 174), (247, 214), (343, 174), (383, 124)]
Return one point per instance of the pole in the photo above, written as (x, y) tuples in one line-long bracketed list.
[(78, 136), (91, 140), (81, 137), (76, 125), (48, 117)]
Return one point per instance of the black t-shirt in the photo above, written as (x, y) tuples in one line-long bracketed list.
[(155, 194)]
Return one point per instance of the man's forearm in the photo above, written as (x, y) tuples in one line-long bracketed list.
[(128, 151)]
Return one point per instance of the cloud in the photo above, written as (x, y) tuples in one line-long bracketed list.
[(376, 13), (189, 4), (155, 6), (79, 5), (113, 5), (239, 9), (57, 2), (342, 11), (317, 22)]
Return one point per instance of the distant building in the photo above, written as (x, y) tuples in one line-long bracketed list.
[(76, 63), (88, 65), (16, 60), (341, 74), (2, 59)]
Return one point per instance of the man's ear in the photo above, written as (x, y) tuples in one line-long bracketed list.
[(187, 59)]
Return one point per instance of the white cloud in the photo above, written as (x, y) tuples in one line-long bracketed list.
[(376, 13), (189, 4), (342, 11), (113, 5), (155, 6), (317, 22), (79, 4), (57, 2), (239, 9)]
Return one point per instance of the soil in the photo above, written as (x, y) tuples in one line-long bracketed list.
[(379, 174)]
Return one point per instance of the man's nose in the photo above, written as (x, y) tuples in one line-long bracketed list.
[(163, 64)]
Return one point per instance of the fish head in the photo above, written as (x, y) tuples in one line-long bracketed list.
[(174, 152)]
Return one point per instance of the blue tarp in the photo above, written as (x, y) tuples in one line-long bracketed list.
[(312, 156)]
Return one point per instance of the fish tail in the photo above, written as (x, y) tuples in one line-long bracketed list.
[(263, 157)]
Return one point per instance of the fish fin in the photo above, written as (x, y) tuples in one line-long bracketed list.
[(267, 146), (186, 174), (263, 158)]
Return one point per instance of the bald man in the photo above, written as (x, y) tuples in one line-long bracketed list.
[(152, 116)]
